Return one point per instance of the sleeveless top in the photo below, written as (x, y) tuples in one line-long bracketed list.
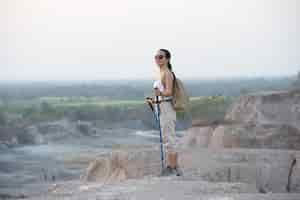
[(160, 85)]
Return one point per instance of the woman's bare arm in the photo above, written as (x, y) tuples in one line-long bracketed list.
[(169, 84)]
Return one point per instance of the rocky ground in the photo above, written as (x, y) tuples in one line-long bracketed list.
[(254, 155), (208, 174)]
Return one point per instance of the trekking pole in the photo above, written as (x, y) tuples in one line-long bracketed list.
[(157, 118), (160, 134)]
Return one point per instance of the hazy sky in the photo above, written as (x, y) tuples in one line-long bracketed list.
[(97, 39)]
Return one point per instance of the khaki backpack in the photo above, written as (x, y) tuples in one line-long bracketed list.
[(180, 99)]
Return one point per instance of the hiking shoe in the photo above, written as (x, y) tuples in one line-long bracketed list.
[(179, 172), (168, 171)]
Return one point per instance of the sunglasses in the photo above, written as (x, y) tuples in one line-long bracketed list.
[(159, 57)]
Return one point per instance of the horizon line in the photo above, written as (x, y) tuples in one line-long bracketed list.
[(149, 79)]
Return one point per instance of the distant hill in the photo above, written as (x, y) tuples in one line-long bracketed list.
[(137, 89)]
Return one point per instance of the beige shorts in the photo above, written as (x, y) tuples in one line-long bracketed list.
[(167, 123)]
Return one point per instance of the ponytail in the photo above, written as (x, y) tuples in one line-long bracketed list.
[(169, 66)]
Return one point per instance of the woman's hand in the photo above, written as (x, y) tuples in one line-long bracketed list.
[(157, 92), (149, 100)]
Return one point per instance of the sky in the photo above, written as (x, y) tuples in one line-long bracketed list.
[(117, 39)]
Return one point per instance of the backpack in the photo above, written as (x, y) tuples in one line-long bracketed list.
[(180, 99)]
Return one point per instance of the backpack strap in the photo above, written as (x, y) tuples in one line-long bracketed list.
[(174, 76)]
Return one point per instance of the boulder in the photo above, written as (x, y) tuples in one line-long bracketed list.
[(123, 165), (263, 120), (281, 107)]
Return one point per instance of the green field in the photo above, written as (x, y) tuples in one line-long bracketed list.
[(99, 108)]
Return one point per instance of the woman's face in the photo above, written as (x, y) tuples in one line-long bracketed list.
[(160, 59)]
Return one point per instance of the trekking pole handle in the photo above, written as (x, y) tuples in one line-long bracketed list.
[(148, 99)]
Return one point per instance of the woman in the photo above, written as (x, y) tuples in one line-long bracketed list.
[(164, 89)]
